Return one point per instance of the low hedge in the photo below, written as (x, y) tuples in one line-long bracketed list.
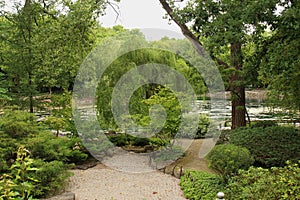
[(270, 146)]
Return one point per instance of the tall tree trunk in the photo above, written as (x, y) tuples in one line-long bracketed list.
[(27, 13), (31, 100), (238, 117), (237, 89)]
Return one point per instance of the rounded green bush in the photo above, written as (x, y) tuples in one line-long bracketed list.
[(228, 159), (270, 146)]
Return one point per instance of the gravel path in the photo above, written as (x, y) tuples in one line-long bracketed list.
[(102, 183)]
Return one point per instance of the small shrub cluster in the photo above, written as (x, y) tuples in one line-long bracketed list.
[(228, 159), (18, 184), (259, 183), (202, 127), (158, 142), (265, 145), (169, 154), (51, 177), (254, 183), (49, 148), (224, 137), (40, 169), (270, 146), (200, 185), (123, 139), (140, 141), (18, 124)]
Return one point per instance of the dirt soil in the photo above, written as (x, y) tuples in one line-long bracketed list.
[(193, 158)]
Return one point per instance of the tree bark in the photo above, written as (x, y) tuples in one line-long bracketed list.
[(27, 13), (238, 100)]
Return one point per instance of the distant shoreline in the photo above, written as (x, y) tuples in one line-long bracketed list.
[(250, 94)]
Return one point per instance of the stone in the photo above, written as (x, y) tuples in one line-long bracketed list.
[(64, 196)]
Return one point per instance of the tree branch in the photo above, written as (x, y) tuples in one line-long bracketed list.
[(116, 10), (221, 62), (184, 29)]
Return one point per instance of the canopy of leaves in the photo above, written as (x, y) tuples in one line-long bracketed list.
[(280, 66)]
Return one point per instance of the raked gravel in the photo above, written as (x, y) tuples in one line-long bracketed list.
[(103, 183)]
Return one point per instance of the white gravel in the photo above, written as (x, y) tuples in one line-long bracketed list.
[(102, 183)]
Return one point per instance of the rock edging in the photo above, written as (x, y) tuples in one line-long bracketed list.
[(64, 196)]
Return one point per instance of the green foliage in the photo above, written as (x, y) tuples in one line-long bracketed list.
[(30, 178), (121, 139), (61, 114), (19, 184), (6, 187), (8, 149), (279, 53), (263, 124), (171, 104), (201, 131), (97, 143), (200, 185), (259, 183), (141, 141), (228, 159), (18, 123), (42, 174), (223, 24), (270, 146), (52, 177), (158, 142), (224, 137), (3, 89), (42, 48), (170, 153), (49, 148), (146, 97)]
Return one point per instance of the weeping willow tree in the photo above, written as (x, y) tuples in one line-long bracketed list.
[(150, 93)]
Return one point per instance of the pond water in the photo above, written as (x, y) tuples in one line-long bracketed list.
[(220, 110)]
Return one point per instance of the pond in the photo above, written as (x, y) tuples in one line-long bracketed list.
[(221, 110), (256, 106)]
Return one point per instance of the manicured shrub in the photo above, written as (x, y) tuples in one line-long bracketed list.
[(120, 139), (8, 150), (270, 146), (263, 124), (52, 178), (138, 141), (49, 148), (228, 159), (200, 185), (18, 123), (259, 183)]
